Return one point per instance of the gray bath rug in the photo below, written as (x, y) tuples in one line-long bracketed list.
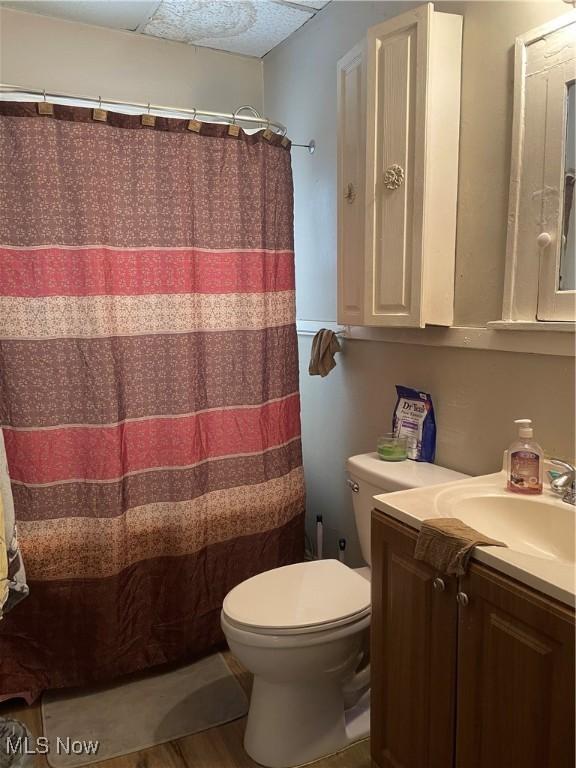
[(141, 713)]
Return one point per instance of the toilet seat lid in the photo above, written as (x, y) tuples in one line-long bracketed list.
[(317, 593)]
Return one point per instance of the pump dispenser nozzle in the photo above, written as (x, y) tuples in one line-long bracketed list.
[(525, 429)]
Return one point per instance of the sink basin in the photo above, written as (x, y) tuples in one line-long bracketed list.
[(539, 531), (536, 526)]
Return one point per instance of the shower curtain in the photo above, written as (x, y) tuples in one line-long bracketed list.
[(148, 385)]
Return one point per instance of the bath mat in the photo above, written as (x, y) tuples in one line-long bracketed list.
[(141, 713)]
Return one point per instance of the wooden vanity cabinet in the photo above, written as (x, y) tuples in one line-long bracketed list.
[(412, 654), (487, 682), (515, 676)]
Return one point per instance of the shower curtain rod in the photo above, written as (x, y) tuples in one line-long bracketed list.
[(254, 117)]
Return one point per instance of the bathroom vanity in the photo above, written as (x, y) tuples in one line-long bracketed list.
[(475, 672)]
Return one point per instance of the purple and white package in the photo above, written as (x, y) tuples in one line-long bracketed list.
[(414, 419)]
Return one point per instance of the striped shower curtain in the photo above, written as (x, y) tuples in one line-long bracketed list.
[(148, 385)]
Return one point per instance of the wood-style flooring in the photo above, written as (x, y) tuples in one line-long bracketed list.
[(219, 747)]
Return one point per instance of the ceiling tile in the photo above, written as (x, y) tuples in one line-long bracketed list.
[(250, 27), (118, 14)]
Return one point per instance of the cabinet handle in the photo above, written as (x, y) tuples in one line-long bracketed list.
[(438, 584), (462, 599), (394, 176), (354, 487), (350, 194)]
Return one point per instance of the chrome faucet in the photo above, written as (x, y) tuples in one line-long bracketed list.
[(565, 484)]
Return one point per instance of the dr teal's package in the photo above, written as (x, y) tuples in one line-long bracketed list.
[(414, 419)]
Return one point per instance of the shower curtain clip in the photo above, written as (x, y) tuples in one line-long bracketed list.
[(194, 125), (44, 108), (267, 134), (99, 114), (233, 129), (148, 119)]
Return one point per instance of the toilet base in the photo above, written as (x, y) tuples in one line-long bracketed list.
[(292, 725)]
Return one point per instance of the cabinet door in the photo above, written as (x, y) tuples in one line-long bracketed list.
[(515, 677), (397, 54), (557, 294), (413, 654), (351, 183), (540, 279)]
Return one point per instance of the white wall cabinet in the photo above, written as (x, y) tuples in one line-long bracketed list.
[(540, 253), (399, 115), (351, 178)]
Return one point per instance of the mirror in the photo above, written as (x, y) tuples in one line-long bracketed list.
[(567, 275)]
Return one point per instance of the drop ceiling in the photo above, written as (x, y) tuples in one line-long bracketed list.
[(249, 27)]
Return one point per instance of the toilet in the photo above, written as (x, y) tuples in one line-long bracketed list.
[(302, 630)]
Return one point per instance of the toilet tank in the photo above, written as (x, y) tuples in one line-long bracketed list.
[(369, 476)]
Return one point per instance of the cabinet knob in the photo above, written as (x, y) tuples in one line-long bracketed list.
[(543, 239), (394, 176), (438, 584), (462, 599)]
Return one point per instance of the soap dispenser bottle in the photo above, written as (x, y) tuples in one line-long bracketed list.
[(525, 461)]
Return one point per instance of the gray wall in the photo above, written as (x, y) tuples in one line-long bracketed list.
[(41, 52), (477, 394)]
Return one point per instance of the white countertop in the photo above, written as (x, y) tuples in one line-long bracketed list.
[(554, 576)]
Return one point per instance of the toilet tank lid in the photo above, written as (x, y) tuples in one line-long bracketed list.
[(399, 475)]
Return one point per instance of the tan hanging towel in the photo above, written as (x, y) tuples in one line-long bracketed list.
[(324, 346), (4, 582), (13, 586), (446, 544)]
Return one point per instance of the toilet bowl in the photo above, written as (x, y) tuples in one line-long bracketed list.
[(302, 630)]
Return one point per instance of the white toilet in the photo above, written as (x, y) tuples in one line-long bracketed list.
[(302, 631)]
